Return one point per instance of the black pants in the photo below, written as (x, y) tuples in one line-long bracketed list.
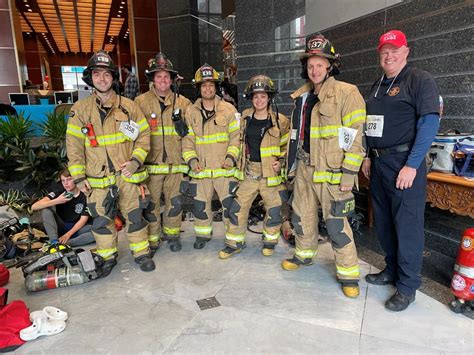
[(399, 219)]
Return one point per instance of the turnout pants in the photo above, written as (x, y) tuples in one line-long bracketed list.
[(336, 205), (399, 219), (130, 204), (273, 198), (169, 185), (202, 190)]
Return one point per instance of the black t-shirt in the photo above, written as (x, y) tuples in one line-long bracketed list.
[(255, 131), (311, 101), (412, 94), (72, 210)]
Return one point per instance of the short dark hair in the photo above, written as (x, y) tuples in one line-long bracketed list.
[(64, 172), (128, 67)]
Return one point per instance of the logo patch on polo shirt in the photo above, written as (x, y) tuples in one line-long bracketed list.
[(394, 91)]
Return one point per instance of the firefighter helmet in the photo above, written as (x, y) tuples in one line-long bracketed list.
[(206, 73), (100, 59), (319, 46), (260, 83), (159, 62)]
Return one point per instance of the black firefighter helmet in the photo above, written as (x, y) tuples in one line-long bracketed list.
[(159, 62), (100, 59)]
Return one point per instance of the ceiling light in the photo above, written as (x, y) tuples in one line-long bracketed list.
[(123, 2), (121, 7), (118, 15), (27, 5), (30, 10), (27, 33), (120, 11)]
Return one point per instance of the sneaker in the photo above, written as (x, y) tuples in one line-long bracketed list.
[(200, 242), (146, 263), (381, 278), (351, 289), (227, 252), (294, 263), (399, 302)]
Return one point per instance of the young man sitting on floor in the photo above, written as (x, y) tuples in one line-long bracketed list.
[(64, 213)]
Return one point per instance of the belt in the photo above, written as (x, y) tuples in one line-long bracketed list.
[(377, 152)]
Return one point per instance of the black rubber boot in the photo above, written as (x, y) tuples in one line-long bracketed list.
[(154, 248), (200, 242), (399, 302), (146, 263), (107, 266), (175, 244), (381, 278)]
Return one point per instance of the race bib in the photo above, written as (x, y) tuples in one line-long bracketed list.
[(130, 129), (374, 126), (294, 134), (346, 137)]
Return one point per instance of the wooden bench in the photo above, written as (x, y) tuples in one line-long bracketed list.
[(451, 192)]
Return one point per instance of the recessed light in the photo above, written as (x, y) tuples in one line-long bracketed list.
[(118, 15), (120, 7), (123, 2), (27, 5), (30, 10), (27, 33), (120, 11)]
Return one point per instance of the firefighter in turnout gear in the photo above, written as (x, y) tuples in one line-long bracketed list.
[(107, 141), (211, 150), (263, 137), (164, 109), (325, 153)]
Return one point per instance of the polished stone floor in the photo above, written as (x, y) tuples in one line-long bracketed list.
[(263, 309)]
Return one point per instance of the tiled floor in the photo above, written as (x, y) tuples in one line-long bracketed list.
[(264, 309)]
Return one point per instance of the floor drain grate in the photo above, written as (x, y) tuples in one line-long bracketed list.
[(208, 303)]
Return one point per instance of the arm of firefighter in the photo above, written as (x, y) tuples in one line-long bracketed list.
[(354, 117), (188, 143), (75, 146), (142, 143), (234, 136)]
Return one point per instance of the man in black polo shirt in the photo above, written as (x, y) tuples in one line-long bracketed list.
[(402, 120), (64, 213)]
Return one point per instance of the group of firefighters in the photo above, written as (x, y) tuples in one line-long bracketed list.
[(124, 155)]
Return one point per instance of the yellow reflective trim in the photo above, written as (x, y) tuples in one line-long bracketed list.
[(284, 139), (191, 132), (324, 131), (306, 253), (106, 253), (327, 176), (212, 138), (142, 125), (269, 236), (353, 117), (212, 173), (348, 271), (234, 126), (168, 131), (269, 151), (233, 150), (137, 247), (235, 237), (110, 139), (188, 155), (353, 159), (76, 170), (75, 131), (101, 183), (140, 153), (171, 231), (203, 229), (165, 169), (274, 180), (239, 174), (153, 238), (137, 177)]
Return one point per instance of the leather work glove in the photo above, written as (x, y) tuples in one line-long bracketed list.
[(229, 162), (179, 125), (194, 165), (84, 187), (111, 202), (130, 167)]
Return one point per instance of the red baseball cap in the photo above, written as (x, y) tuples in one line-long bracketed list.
[(395, 37)]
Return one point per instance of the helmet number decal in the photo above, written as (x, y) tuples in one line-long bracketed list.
[(315, 44), (207, 72), (130, 129)]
